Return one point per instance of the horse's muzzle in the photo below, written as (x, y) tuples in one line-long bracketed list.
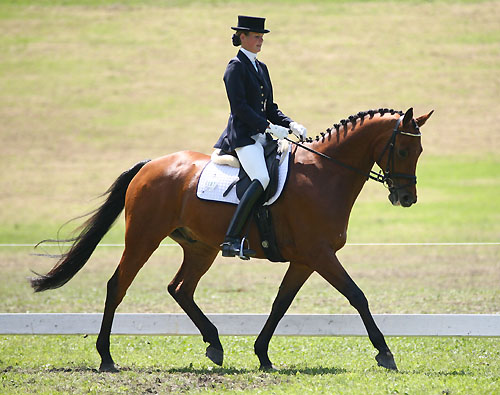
[(401, 197)]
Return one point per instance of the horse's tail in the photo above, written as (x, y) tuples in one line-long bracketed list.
[(93, 230)]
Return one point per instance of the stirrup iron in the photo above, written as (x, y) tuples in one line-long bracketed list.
[(236, 247), (242, 246)]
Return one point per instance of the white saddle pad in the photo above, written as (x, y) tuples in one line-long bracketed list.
[(215, 179)]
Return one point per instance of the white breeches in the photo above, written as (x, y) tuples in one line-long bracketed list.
[(252, 160)]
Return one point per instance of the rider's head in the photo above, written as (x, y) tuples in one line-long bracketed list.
[(249, 33)]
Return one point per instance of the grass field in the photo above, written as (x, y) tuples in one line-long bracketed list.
[(307, 365), (88, 88)]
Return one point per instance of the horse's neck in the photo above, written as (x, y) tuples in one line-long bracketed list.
[(354, 146)]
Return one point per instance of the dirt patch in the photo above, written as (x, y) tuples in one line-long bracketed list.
[(152, 381)]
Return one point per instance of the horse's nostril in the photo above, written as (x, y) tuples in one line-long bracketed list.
[(407, 200)]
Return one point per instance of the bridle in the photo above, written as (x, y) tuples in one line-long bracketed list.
[(385, 176), (389, 174)]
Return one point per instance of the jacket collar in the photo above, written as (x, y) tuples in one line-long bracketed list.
[(250, 55), (244, 58)]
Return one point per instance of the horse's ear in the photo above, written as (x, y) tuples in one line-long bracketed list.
[(421, 120), (408, 116)]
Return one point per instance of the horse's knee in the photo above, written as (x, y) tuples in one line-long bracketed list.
[(357, 299)]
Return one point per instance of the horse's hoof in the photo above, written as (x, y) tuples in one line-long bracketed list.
[(215, 355), (268, 368), (386, 360), (108, 368)]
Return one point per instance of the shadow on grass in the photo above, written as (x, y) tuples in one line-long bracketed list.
[(46, 369), (235, 371), (438, 373), (312, 371), (182, 370), (217, 371)]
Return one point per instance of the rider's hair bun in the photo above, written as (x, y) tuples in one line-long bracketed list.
[(236, 40)]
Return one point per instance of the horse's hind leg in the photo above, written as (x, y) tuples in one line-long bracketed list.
[(295, 277), (130, 263), (198, 258)]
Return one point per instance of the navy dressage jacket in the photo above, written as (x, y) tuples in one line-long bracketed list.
[(250, 95)]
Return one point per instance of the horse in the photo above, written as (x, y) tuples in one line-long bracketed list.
[(326, 175)]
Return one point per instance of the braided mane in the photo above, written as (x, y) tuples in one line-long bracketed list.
[(352, 119)]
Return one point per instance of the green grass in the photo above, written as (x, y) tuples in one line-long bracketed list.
[(307, 365), (457, 202), (88, 88), (395, 280), (189, 3)]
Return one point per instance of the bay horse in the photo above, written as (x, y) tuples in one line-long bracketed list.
[(310, 219)]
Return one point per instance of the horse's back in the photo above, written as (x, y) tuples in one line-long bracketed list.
[(175, 168), (164, 181)]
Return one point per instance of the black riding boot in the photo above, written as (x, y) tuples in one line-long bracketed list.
[(232, 242)]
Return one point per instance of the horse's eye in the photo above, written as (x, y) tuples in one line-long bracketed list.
[(403, 153)]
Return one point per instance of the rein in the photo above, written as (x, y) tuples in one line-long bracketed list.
[(371, 175), (388, 173)]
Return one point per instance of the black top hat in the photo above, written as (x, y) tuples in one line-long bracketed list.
[(251, 23)]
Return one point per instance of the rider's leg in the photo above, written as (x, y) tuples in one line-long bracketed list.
[(251, 157), (252, 160)]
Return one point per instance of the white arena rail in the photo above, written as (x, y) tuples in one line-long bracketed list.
[(476, 325)]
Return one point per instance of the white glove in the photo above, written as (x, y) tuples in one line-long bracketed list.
[(298, 130), (277, 131)]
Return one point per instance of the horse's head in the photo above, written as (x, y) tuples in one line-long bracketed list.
[(398, 159)]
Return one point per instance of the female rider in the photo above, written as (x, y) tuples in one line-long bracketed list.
[(254, 116)]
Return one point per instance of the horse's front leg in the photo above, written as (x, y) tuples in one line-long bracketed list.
[(295, 277), (330, 268)]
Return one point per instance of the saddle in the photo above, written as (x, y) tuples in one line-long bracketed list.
[(262, 213), (272, 163)]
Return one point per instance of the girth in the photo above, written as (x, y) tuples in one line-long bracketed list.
[(261, 213)]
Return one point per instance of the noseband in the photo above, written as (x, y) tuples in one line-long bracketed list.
[(389, 174), (386, 178)]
